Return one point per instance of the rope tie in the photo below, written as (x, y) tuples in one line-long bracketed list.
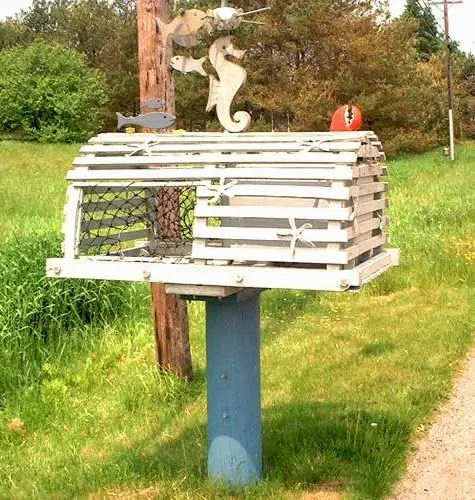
[(221, 189), (144, 148), (296, 234), (355, 210), (309, 145)]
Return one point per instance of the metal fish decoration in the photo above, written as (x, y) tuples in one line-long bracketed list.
[(188, 64), (152, 104), (155, 120), (184, 27)]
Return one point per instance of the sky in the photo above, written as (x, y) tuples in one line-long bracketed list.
[(462, 17)]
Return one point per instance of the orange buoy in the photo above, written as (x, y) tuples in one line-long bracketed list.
[(346, 118)]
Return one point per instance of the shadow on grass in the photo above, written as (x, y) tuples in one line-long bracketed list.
[(304, 444)]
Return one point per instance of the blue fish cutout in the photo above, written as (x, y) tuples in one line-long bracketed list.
[(155, 120)]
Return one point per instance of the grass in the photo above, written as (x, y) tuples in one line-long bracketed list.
[(37, 313), (348, 379)]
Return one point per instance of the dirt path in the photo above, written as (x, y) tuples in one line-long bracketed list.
[(443, 468)]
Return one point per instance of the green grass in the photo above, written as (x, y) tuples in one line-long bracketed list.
[(39, 316), (348, 379)]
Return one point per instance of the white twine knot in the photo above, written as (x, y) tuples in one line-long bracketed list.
[(296, 234), (221, 189), (145, 148)]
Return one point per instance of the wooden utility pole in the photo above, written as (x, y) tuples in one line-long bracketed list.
[(448, 56), (156, 82)]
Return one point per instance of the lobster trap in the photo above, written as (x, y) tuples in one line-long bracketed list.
[(263, 210)]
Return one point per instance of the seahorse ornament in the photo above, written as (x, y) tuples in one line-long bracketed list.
[(231, 77)]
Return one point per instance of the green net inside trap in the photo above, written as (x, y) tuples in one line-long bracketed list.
[(137, 221)]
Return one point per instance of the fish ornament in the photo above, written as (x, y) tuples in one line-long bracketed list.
[(184, 27), (155, 120), (188, 64), (231, 77)]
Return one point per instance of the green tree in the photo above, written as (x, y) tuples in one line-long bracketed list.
[(106, 32), (429, 39), (48, 93), (13, 32)]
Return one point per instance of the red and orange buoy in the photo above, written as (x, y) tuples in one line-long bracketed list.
[(346, 118)]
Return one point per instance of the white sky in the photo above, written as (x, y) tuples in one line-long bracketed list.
[(462, 17)]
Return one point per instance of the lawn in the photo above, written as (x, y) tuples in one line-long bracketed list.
[(349, 380)]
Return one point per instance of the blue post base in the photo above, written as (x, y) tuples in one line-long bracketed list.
[(234, 399)]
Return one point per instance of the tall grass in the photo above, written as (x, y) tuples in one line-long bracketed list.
[(38, 316), (44, 320), (348, 379)]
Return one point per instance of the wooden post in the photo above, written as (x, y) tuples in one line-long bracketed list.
[(448, 57), (234, 397), (156, 82)]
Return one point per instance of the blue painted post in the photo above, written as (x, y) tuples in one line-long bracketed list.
[(234, 397)]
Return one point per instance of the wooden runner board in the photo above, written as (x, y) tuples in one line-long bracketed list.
[(234, 275)]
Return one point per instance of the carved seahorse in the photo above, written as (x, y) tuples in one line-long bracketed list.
[(231, 77)]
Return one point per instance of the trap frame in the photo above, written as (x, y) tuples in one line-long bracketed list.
[(254, 210)]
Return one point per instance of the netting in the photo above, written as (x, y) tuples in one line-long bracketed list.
[(137, 221)]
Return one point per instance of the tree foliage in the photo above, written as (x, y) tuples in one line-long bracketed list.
[(48, 93), (425, 29), (105, 32), (309, 58)]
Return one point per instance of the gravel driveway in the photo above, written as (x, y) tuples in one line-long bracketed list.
[(443, 467)]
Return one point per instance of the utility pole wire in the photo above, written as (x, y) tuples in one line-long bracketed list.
[(448, 55)]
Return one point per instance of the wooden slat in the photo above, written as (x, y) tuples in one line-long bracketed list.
[(267, 234), (121, 186), (173, 174), (334, 226), (289, 191), (72, 221), (256, 146), (369, 170), (374, 187), (210, 137), (218, 159), (114, 238), (88, 225), (372, 206), (114, 205), (138, 253), (360, 181), (202, 290), (243, 276), (114, 188), (363, 247), (272, 234), (373, 267), (275, 212), (369, 225), (271, 254)]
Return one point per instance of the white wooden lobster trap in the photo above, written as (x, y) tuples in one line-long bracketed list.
[(257, 210)]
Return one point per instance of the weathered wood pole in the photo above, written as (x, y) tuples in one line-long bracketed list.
[(156, 82), (234, 389)]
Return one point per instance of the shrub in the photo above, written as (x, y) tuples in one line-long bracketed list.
[(40, 316), (48, 93)]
